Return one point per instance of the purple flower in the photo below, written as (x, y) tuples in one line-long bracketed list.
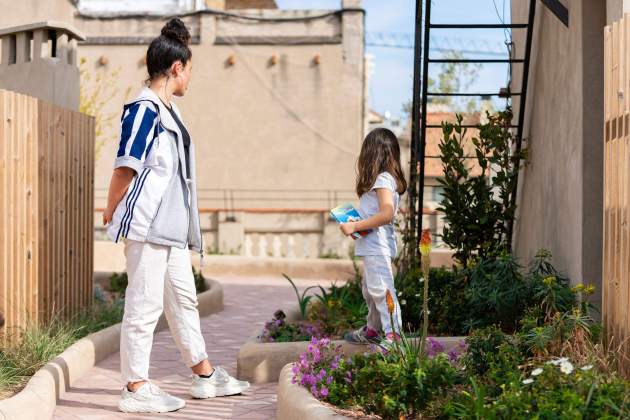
[(316, 367), (453, 355)]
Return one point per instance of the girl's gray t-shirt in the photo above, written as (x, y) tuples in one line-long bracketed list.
[(382, 240)]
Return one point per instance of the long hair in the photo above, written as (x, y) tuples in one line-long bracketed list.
[(380, 152), (169, 47)]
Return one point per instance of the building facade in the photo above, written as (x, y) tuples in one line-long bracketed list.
[(561, 188), (276, 105)]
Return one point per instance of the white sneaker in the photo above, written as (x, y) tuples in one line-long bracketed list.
[(148, 398), (220, 384)]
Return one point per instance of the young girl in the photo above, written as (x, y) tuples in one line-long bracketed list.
[(380, 182), (152, 206)]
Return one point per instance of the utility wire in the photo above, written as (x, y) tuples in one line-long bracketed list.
[(288, 107), (224, 14)]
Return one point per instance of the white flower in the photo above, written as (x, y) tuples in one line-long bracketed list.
[(403, 302), (537, 372), (417, 295), (399, 293), (558, 362), (421, 279), (566, 367), (528, 381), (587, 367)]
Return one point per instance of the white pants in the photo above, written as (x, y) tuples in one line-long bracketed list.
[(377, 279), (160, 279)]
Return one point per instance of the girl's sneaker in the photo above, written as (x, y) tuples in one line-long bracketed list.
[(148, 398), (363, 335), (219, 384)]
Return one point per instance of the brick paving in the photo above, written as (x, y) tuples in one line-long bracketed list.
[(248, 302)]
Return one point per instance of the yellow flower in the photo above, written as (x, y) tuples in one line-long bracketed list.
[(590, 289), (390, 302), (549, 280), (425, 243)]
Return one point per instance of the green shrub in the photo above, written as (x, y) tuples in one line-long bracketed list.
[(200, 281), (447, 302), (339, 308), (556, 390), (483, 346), (497, 293), (279, 330), (551, 290), (477, 201), (385, 385), (118, 282), (39, 344)]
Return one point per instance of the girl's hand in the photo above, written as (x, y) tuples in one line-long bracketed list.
[(108, 214), (348, 228)]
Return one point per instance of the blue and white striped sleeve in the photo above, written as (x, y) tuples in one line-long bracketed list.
[(136, 136)]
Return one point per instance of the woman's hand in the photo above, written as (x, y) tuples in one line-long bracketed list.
[(348, 228), (121, 178), (108, 214)]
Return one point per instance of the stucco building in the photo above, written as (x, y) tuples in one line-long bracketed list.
[(276, 106), (561, 189)]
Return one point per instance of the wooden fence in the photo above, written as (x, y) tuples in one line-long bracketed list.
[(616, 264), (46, 210)]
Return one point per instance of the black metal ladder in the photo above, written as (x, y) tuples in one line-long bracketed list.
[(421, 96)]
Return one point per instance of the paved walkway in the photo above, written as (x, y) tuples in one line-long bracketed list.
[(248, 303)]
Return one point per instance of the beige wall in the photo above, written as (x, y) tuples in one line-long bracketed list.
[(290, 126), (560, 193), (30, 11)]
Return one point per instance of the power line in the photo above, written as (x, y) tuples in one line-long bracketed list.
[(403, 40)]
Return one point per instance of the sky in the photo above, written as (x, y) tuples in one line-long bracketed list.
[(391, 82)]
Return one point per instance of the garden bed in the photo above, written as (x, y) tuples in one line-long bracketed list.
[(533, 348), (38, 398), (260, 362)]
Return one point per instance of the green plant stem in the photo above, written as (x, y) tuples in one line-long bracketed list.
[(426, 262)]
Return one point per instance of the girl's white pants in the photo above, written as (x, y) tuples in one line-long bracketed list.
[(378, 277), (160, 279)]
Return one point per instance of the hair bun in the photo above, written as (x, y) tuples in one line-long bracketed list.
[(177, 31)]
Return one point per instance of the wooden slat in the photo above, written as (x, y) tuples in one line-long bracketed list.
[(46, 191), (616, 248), (606, 306), (4, 209)]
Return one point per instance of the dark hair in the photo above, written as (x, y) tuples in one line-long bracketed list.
[(380, 152), (169, 47)]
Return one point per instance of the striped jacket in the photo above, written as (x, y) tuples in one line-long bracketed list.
[(160, 205)]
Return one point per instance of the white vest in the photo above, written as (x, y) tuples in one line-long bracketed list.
[(160, 205)]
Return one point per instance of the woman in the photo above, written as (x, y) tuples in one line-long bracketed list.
[(152, 206)]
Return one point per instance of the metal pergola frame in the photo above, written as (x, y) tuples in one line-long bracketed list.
[(421, 95)]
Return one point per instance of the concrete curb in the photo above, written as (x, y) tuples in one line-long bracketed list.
[(38, 399), (263, 362), (296, 403), (301, 268)]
